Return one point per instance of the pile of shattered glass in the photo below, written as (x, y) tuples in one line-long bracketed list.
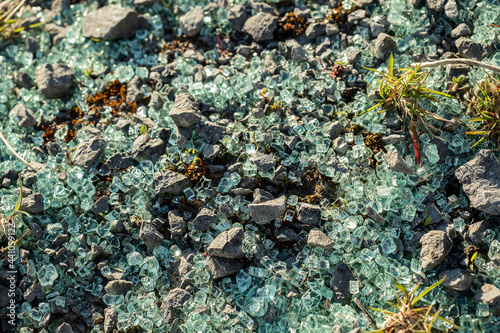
[(262, 289)]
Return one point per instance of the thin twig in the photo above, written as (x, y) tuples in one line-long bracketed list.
[(14, 152), (457, 62), (362, 308)]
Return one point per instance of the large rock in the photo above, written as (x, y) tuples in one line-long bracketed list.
[(170, 182), (488, 294), (110, 22), (222, 267), (308, 214), (341, 278), (145, 146), (318, 238), (436, 245), (204, 219), (264, 162), (24, 116), (185, 111), (261, 26), (118, 287), (457, 279), (397, 163), (53, 80), (177, 224), (437, 5), (470, 49), (150, 235), (476, 231), (110, 319), (480, 178), (175, 300), (228, 244), (267, 211), (384, 46), (33, 204), (237, 16), (87, 152), (192, 21)]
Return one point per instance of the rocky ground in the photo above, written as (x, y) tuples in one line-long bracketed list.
[(199, 166)]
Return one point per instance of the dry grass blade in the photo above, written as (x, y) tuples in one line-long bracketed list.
[(2, 137)]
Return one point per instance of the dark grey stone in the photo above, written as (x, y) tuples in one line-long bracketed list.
[(222, 267), (457, 279), (436, 245), (434, 213), (315, 30), (237, 16), (118, 287), (23, 80), (145, 146), (101, 205), (286, 235), (60, 240), (384, 46), (228, 244), (203, 220), (341, 278), (24, 116), (334, 129), (156, 101), (119, 161), (397, 163), (451, 9), (470, 49), (53, 80), (318, 238), (480, 178), (192, 22), (296, 51), (36, 230), (454, 71), (87, 152), (150, 236), (308, 214), (110, 319), (437, 5), (211, 132), (476, 231), (177, 224), (64, 328), (265, 212), (260, 195), (33, 204), (340, 146), (264, 162), (211, 151), (146, 3), (170, 182), (185, 111), (461, 30), (261, 26), (488, 294), (175, 300), (110, 22)]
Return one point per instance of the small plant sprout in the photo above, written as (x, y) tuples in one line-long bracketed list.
[(484, 105), (220, 48), (404, 93), (8, 220), (409, 318)]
